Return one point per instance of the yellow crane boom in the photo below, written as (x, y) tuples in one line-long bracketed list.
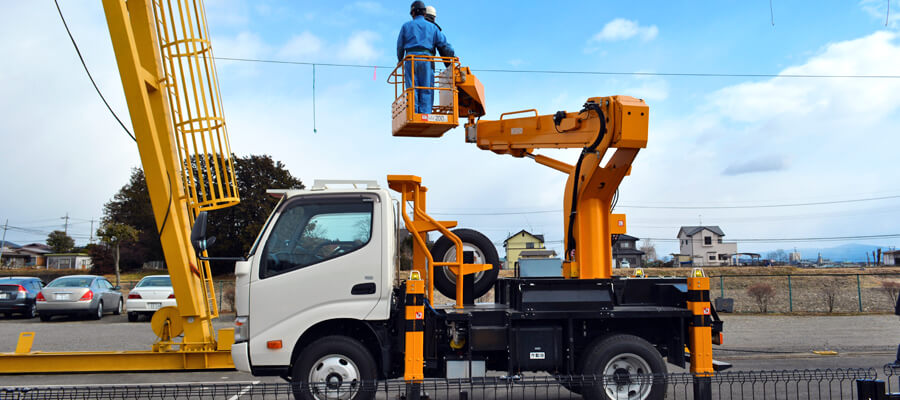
[(166, 64)]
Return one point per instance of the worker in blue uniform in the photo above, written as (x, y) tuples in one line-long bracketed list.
[(421, 37)]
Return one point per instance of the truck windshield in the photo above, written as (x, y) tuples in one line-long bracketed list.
[(309, 233)]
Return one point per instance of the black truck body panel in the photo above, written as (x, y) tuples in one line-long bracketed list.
[(544, 324)]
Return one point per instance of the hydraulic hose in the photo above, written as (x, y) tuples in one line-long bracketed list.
[(570, 242)]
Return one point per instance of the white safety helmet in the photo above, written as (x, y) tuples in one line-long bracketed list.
[(431, 12)]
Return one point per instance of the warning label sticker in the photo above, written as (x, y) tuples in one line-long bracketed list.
[(419, 315), (705, 310)]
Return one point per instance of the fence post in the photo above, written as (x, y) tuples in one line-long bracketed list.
[(858, 293), (722, 286), (702, 387), (790, 295)]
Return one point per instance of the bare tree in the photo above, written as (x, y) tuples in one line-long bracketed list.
[(762, 293), (891, 289), (830, 292), (649, 251)]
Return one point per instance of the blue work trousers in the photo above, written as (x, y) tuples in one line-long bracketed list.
[(424, 76)]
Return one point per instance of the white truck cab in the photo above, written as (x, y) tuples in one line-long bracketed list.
[(324, 260)]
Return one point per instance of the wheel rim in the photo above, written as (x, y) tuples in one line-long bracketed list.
[(32, 312), (100, 310), (334, 376), (622, 369), (119, 310), (450, 255)]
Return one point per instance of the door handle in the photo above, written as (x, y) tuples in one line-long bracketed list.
[(363, 288)]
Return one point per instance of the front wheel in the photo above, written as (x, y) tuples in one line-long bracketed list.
[(631, 369), (118, 310), (334, 367)]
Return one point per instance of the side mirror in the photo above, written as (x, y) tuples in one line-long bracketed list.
[(198, 234), (117, 288)]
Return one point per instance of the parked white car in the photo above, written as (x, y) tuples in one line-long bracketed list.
[(150, 294)]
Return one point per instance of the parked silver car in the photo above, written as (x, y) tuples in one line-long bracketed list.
[(79, 294)]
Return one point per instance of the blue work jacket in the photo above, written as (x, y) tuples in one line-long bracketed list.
[(419, 35)]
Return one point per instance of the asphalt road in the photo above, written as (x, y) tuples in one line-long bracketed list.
[(752, 343)]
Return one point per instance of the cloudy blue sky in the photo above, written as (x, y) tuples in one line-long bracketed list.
[(714, 141)]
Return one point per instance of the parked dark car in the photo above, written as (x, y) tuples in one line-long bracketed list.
[(17, 294), (89, 295)]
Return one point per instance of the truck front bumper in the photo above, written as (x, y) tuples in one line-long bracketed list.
[(241, 356)]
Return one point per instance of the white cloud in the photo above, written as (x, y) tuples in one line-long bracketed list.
[(360, 47), (243, 45), (766, 163), (623, 29), (878, 10), (653, 89), (300, 47)]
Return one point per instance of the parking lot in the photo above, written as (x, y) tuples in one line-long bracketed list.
[(751, 343)]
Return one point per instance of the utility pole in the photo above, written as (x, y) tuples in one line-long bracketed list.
[(67, 224), (92, 232), (3, 241)]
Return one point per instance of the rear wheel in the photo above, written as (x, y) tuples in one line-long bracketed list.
[(334, 367), (31, 312), (630, 366), (98, 313), (484, 251), (133, 316)]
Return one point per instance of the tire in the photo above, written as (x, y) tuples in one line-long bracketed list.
[(345, 359), (118, 310), (31, 312), (621, 356), (485, 253), (98, 313), (133, 316), (45, 317)]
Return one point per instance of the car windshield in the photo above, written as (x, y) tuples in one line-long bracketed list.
[(158, 281), (10, 281), (71, 282)]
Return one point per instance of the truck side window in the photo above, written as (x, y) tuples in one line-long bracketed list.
[(307, 233)]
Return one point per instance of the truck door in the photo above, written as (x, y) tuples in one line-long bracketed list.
[(321, 260)]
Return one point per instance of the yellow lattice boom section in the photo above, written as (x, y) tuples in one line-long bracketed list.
[(196, 106)]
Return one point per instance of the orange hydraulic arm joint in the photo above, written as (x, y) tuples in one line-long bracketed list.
[(619, 122)]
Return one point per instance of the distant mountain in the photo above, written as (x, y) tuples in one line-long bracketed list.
[(853, 252)]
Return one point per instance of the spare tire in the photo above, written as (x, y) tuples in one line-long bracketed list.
[(485, 253)]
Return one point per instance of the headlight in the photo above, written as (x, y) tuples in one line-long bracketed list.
[(241, 329)]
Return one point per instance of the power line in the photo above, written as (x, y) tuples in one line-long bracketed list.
[(777, 240), (705, 207), (83, 64), (575, 72)]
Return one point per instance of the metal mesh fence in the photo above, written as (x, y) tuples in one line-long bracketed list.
[(797, 384), (810, 293)]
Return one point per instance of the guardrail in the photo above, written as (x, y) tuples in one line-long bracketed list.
[(797, 384)]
